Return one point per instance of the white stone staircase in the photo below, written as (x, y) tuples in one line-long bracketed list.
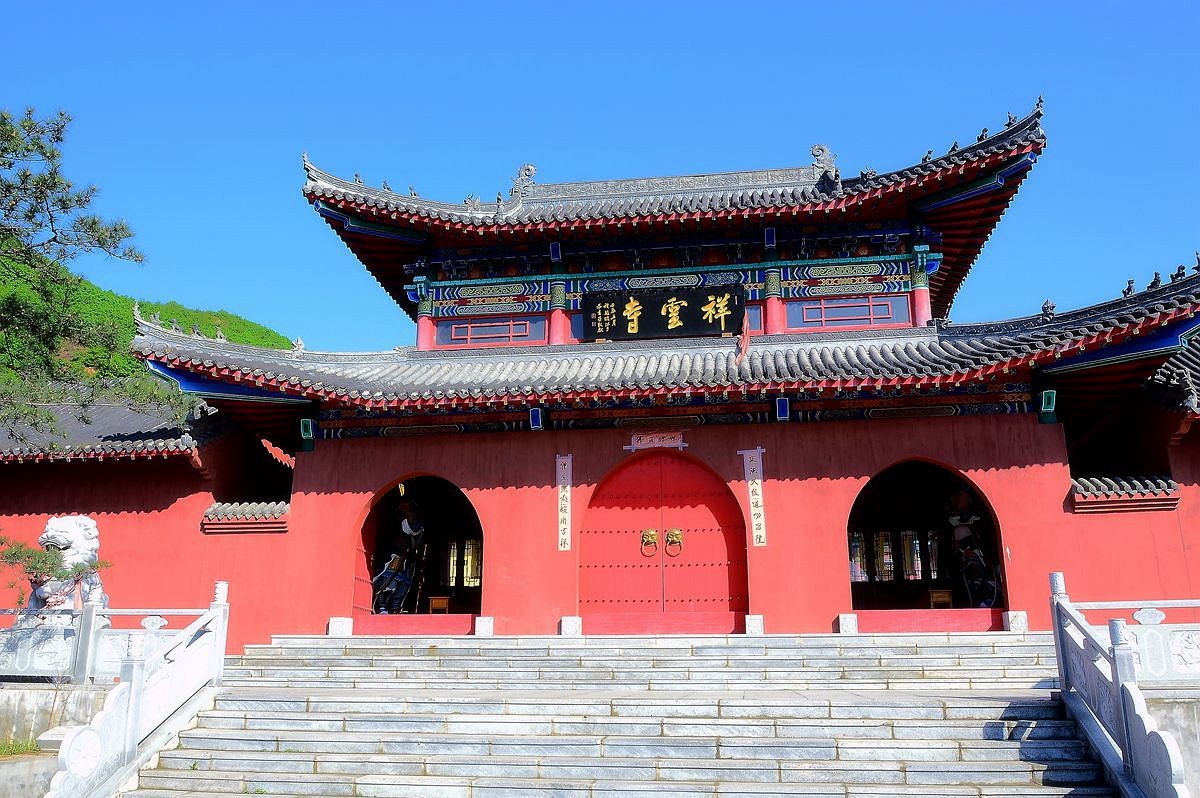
[(811, 715)]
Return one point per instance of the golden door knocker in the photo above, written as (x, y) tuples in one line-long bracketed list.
[(649, 541), (674, 538)]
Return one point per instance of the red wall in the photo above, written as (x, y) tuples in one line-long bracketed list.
[(292, 583)]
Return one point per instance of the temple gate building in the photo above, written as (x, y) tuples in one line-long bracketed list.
[(662, 405)]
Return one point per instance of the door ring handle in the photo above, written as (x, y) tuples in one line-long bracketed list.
[(674, 538), (649, 541)]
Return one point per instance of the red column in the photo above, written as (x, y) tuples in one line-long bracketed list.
[(425, 333), (921, 312), (774, 316), (774, 311), (560, 327)]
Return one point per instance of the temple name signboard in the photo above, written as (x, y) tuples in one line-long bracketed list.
[(662, 313)]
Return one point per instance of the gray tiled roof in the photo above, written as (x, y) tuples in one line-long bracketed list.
[(220, 511), (1124, 486), (114, 430), (696, 364), (531, 202), (1182, 372)]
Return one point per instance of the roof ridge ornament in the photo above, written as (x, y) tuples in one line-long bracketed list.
[(523, 181), (825, 166)]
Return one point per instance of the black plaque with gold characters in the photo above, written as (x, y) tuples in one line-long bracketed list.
[(662, 313)]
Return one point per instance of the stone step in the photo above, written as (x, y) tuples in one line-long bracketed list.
[(987, 685), (435, 787), (374, 647), (397, 776), (772, 660), (667, 640), (552, 669), (218, 743), (406, 723), (897, 705)]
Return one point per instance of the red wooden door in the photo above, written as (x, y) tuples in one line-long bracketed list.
[(692, 578)]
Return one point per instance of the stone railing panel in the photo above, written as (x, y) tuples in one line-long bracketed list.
[(1100, 687), (47, 650), (154, 685), (1155, 756)]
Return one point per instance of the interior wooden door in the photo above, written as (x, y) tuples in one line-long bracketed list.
[(662, 549)]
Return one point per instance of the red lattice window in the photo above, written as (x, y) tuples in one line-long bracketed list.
[(493, 331), (857, 311)]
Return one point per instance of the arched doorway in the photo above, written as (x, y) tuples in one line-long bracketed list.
[(422, 552), (922, 537), (662, 549)]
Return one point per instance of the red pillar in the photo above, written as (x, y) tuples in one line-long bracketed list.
[(560, 320), (774, 311), (425, 333), (921, 312), (774, 316), (560, 327)]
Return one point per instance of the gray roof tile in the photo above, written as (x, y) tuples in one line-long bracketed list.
[(113, 430), (679, 363), (530, 202)]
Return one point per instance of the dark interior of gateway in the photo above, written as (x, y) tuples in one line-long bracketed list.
[(921, 537), (424, 546)]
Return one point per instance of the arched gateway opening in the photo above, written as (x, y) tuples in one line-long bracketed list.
[(662, 549), (922, 537), (422, 552)]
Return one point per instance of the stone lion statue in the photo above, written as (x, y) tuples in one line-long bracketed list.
[(78, 538)]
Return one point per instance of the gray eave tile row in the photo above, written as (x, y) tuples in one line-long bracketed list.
[(1124, 486), (224, 511), (697, 364), (108, 430)]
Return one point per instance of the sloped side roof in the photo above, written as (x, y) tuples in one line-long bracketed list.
[(406, 377), (113, 431)]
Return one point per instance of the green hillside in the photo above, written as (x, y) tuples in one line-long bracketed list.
[(109, 327), (95, 305)]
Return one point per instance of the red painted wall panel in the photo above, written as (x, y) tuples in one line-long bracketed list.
[(149, 517)]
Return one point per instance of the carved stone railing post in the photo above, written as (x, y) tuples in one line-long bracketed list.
[(1124, 671), (1058, 595), (220, 605), (133, 673), (86, 637)]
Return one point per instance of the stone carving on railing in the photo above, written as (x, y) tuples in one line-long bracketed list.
[(1099, 682)]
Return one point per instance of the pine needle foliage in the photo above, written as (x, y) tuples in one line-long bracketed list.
[(63, 340)]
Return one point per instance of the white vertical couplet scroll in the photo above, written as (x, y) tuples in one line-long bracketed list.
[(562, 479), (752, 462)]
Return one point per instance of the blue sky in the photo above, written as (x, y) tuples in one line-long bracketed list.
[(192, 123)]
